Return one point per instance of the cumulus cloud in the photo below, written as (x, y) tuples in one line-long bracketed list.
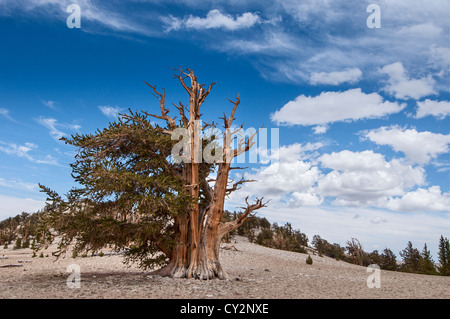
[(214, 20), (439, 109), (366, 178), (419, 147), (335, 78), (290, 153), (331, 107), (320, 129), (291, 179), (403, 87), (303, 178), (422, 199)]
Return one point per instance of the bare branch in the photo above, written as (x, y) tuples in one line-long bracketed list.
[(203, 94), (235, 185), (231, 118), (162, 97), (244, 146), (181, 77), (229, 226), (181, 109)]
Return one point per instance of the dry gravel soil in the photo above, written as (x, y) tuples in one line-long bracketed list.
[(261, 273)]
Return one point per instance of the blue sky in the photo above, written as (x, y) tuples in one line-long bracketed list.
[(362, 113)]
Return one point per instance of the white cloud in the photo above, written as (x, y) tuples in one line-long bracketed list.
[(378, 220), (54, 127), (320, 129), (50, 104), (213, 20), (305, 198), (439, 109), (419, 147), (99, 13), (18, 184), (19, 150), (331, 107), (110, 111), (24, 150), (12, 206), (290, 153), (5, 113), (335, 78), (431, 199), (366, 178), (291, 179), (293, 176), (271, 43), (424, 30), (402, 87), (440, 58), (354, 179)]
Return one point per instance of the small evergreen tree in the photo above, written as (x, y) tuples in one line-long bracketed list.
[(309, 260), (426, 263), (444, 256), (411, 257), (26, 243), (18, 244), (388, 260)]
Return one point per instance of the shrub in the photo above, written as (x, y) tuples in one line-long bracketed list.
[(26, 243), (18, 244), (309, 260)]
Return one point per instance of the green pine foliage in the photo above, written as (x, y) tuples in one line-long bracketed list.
[(411, 257), (325, 248), (444, 256), (130, 191), (388, 260), (261, 231), (18, 244), (426, 263)]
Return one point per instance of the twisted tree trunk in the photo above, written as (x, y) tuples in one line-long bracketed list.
[(195, 253)]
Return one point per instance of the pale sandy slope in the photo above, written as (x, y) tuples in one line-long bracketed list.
[(262, 272)]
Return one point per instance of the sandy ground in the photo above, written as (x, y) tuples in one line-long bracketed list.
[(262, 272)]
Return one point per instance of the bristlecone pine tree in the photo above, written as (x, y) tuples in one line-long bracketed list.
[(135, 196)]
